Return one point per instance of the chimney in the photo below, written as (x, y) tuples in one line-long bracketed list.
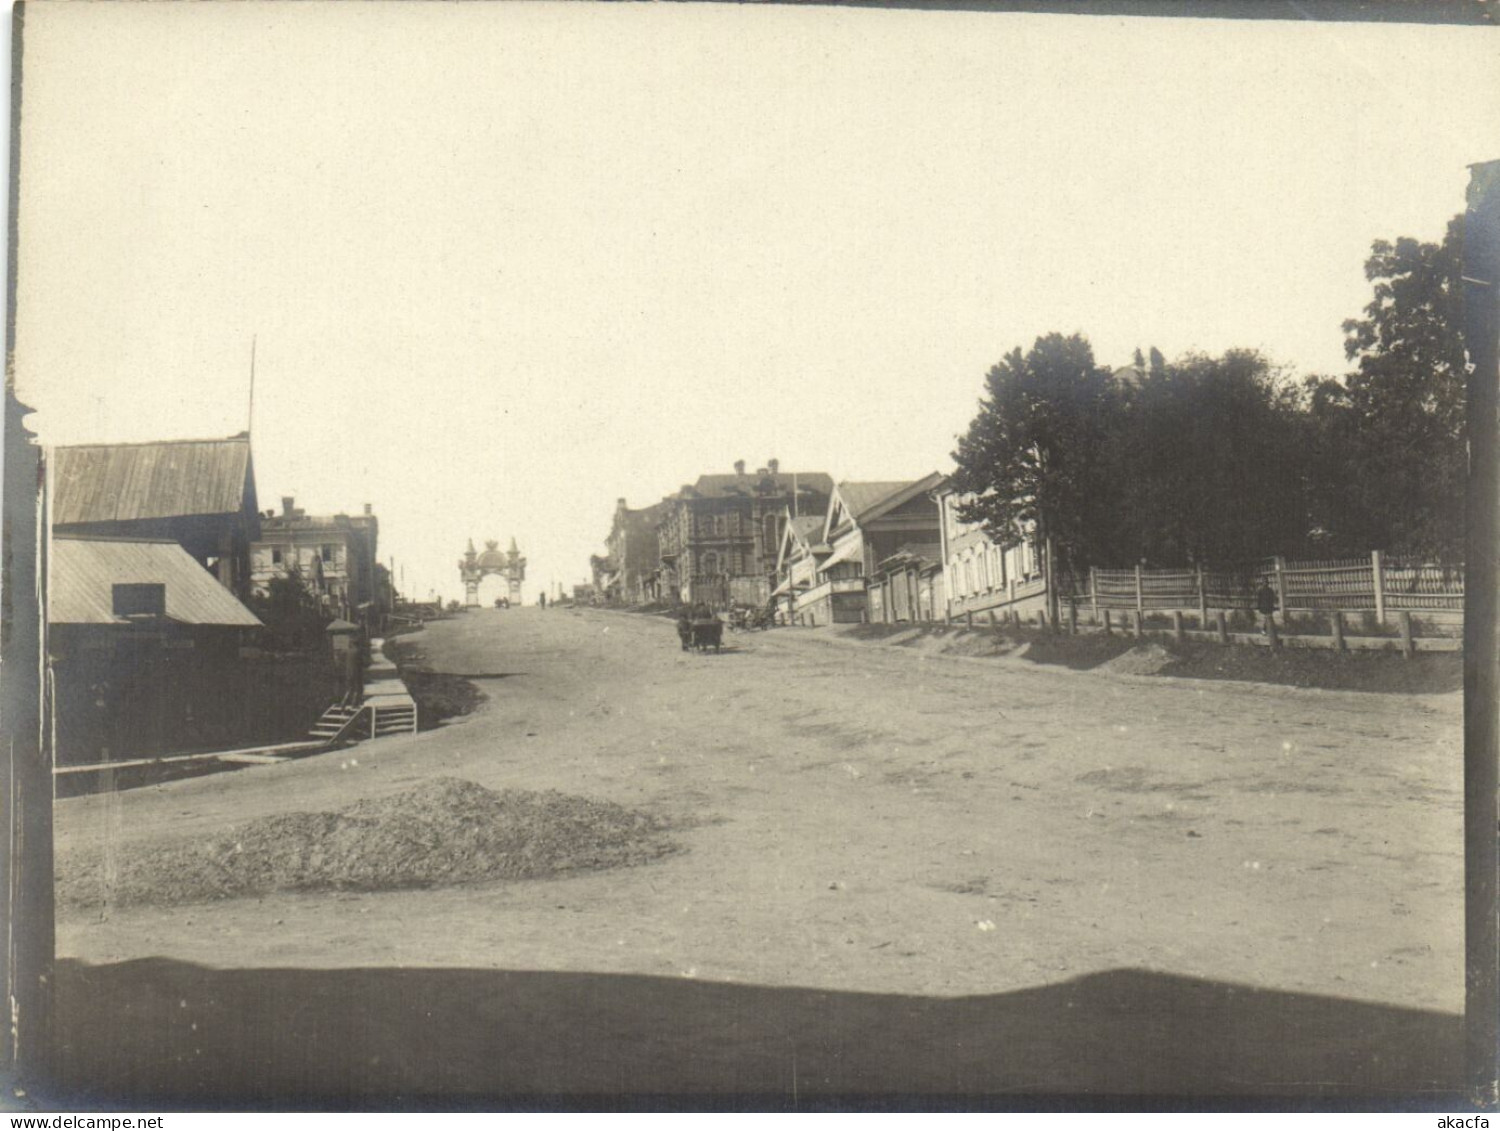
[(286, 505), (369, 509), (620, 504), (774, 466), (739, 467)]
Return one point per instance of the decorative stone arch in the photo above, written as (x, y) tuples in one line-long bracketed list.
[(474, 567)]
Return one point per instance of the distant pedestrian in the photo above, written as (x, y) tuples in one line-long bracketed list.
[(542, 600), (1265, 603)]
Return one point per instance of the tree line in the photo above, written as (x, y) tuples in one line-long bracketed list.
[(1221, 460)]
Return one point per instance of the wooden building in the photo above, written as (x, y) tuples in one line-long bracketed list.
[(802, 550), (907, 587), (866, 523), (144, 649), (199, 494), (982, 576)]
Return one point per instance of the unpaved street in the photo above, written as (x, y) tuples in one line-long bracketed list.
[(899, 874)]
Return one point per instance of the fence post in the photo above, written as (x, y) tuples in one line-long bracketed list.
[(1281, 583), (1378, 572), (1338, 631), (1177, 624), (1108, 628), (1073, 617), (968, 618), (1408, 645), (1140, 595), (1271, 633), (993, 626), (1223, 626), (1140, 623), (1094, 592), (1041, 618), (1202, 597)]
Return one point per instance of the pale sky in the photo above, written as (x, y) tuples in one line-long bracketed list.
[(507, 262)]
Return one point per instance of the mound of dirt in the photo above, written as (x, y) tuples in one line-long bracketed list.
[(1143, 659), (445, 831)]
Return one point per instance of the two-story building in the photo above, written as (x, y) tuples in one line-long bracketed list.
[(334, 555), (866, 523), (719, 538), (802, 549)]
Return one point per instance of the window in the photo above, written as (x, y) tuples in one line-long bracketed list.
[(984, 568), (709, 563), (720, 526), (275, 555), (328, 553), (772, 534)]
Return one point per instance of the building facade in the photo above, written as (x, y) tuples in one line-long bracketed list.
[(144, 650), (866, 523), (907, 587), (718, 540), (624, 575), (981, 576), (334, 555)]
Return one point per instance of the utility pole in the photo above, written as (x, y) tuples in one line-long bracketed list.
[(1481, 278)]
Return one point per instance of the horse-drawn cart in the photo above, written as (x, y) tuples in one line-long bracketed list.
[(700, 631)]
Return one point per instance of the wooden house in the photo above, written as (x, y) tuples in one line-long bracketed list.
[(866, 523), (982, 576), (197, 493), (144, 649)]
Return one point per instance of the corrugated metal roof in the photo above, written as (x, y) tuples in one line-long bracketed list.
[(85, 570), (129, 482)]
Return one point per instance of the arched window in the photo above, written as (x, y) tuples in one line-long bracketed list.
[(709, 563)]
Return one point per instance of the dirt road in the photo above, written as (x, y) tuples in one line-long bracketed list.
[(900, 874)]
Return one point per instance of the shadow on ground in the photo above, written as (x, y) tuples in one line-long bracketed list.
[(159, 1034)]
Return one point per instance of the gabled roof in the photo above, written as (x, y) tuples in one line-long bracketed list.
[(864, 501), (733, 486), (167, 479), (861, 498), (85, 571), (800, 533)]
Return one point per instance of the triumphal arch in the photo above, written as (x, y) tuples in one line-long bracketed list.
[(474, 567)]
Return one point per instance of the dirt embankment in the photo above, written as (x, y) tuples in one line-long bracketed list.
[(440, 695), (1426, 673)]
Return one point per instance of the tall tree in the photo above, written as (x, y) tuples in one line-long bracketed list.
[(1391, 434), (1034, 455), (1207, 455)]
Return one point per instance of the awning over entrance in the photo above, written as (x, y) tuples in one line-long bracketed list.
[(849, 551)]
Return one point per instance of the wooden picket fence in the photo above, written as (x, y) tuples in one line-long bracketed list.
[(1376, 585)]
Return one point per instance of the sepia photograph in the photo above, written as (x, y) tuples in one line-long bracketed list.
[(751, 556)]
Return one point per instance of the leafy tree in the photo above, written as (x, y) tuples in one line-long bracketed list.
[(1391, 435), (1034, 456), (290, 612), (1207, 455)]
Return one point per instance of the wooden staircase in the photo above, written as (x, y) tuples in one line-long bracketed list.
[(384, 708), (392, 718)]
